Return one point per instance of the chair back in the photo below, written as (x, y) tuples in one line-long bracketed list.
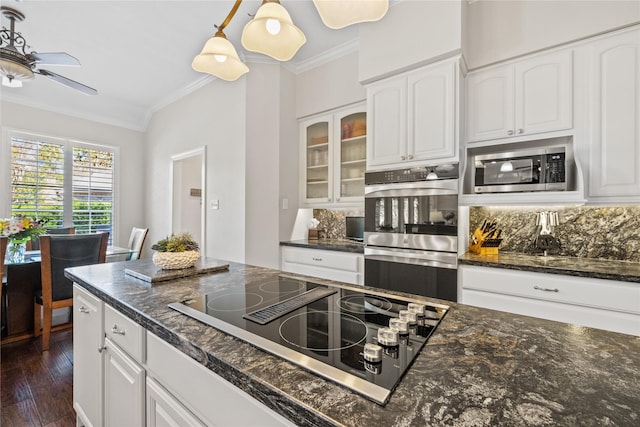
[(3, 251), (136, 240), (63, 251), (35, 243)]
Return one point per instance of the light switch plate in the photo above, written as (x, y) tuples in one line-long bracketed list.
[(214, 204)]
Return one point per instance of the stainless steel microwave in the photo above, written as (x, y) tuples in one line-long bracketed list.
[(536, 169)]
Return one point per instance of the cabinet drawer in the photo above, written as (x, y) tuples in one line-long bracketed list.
[(604, 294), (123, 331), (319, 258)]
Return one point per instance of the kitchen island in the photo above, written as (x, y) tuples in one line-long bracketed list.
[(480, 367)]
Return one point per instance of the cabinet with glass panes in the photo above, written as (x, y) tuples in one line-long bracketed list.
[(333, 158)]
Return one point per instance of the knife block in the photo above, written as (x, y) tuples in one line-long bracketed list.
[(483, 245)]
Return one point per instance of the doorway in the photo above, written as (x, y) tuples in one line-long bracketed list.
[(188, 179)]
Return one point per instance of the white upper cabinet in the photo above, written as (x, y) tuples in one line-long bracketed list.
[(526, 97), (413, 118), (333, 155), (615, 116)]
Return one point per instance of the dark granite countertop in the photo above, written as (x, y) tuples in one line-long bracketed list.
[(480, 367), (328, 244), (625, 271)]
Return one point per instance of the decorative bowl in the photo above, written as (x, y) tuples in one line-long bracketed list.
[(175, 260)]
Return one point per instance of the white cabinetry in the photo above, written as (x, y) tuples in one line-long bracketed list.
[(526, 97), (333, 157), (333, 265), (615, 121), (603, 304), (124, 387), (413, 118), (87, 357), (214, 400), (163, 410)]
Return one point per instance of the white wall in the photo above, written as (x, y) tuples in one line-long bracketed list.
[(213, 116), (329, 86), (411, 34), (499, 30), (289, 155), (187, 208), (130, 178)]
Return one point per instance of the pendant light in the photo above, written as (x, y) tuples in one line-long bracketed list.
[(341, 13), (219, 57), (272, 32)]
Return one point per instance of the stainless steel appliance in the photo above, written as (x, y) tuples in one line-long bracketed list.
[(514, 170), (354, 226), (365, 341), (411, 230)]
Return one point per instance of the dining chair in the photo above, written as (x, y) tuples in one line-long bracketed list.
[(59, 252), (34, 243), (3, 252), (136, 241)]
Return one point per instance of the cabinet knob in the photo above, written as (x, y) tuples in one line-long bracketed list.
[(84, 309), (403, 158), (410, 156), (337, 199), (520, 131), (329, 199), (116, 330), (509, 132)]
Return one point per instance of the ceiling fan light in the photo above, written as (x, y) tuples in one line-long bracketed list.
[(14, 70), (261, 35), (6, 81), (338, 14), (219, 58)]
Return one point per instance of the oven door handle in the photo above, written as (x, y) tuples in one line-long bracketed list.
[(418, 188), (425, 258)]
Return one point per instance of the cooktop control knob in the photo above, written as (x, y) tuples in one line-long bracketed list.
[(399, 325), (388, 337), (372, 352), (418, 309), (408, 316)]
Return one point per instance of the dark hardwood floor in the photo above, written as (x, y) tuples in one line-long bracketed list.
[(36, 387)]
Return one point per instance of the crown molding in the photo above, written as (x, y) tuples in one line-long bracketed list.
[(337, 52), (138, 127)]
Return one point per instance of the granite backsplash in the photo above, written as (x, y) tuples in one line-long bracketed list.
[(332, 222), (611, 232)]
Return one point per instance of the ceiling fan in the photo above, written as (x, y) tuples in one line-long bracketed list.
[(17, 65)]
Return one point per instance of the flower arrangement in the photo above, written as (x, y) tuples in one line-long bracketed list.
[(176, 251), (21, 228)]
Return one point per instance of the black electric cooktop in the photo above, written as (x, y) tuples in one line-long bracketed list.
[(324, 329)]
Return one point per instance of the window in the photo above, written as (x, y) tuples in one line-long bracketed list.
[(45, 170)]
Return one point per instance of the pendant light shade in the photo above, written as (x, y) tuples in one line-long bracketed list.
[(219, 58), (341, 13), (272, 33)]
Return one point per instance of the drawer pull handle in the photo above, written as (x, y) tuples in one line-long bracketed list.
[(117, 331), (316, 259), (84, 310), (102, 348), (538, 288)]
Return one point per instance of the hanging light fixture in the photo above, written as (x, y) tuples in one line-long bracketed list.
[(272, 32), (219, 57), (14, 65), (338, 14)]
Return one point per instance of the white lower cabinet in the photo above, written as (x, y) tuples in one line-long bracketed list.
[(345, 267), (126, 377), (206, 396), (596, 303), (124, 388), (164, 410), (88, 321)]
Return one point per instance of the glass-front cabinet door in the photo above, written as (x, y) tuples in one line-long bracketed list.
[(352, 155), (316, 135), (333, 157)]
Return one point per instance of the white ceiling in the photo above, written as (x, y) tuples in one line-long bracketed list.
[(138, 54)]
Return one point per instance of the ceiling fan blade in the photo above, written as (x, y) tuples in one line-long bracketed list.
[(68, 82), (54, 58)]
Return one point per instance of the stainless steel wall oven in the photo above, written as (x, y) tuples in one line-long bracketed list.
[(410, 233)]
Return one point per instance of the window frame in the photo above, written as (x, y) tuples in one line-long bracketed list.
[(69, 144)]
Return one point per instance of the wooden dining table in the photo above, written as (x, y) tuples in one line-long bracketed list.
[(22, 280)]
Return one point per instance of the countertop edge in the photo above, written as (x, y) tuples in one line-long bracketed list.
[(327, 245)]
